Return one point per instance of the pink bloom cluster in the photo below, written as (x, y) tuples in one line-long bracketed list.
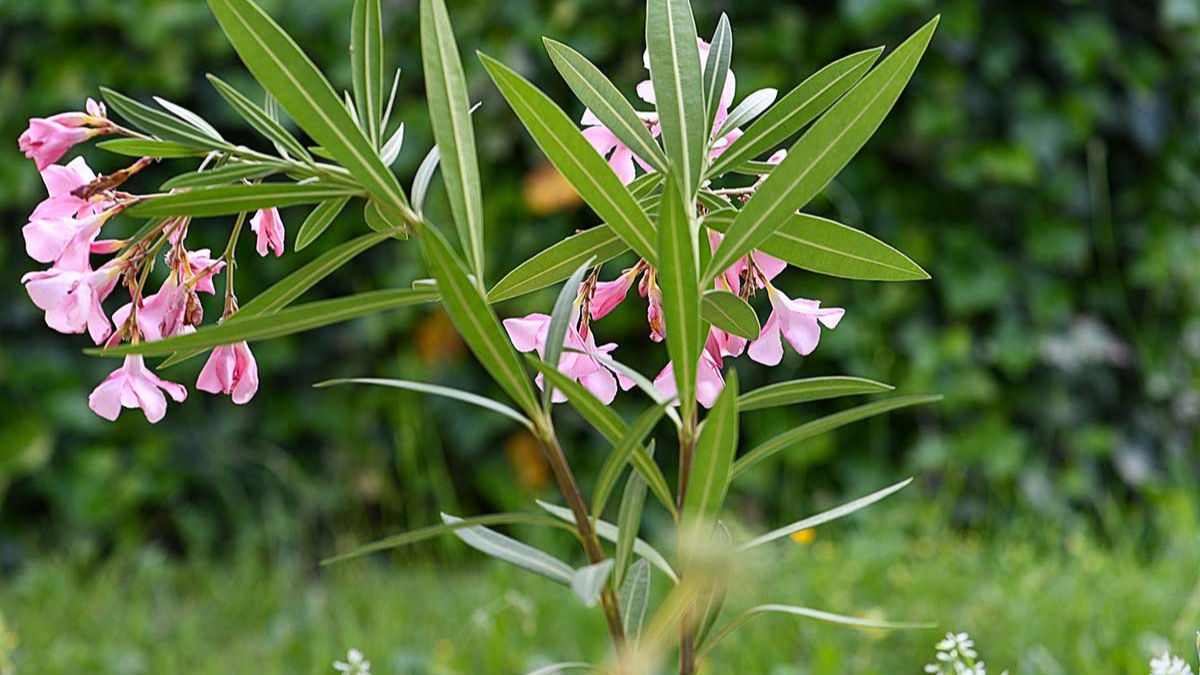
[(64, 232)]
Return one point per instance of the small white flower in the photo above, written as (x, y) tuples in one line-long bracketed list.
[(354, 664), (1169, 665)]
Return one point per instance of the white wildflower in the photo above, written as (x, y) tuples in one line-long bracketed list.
[(354, 664), (956, 655), (1169, 665)]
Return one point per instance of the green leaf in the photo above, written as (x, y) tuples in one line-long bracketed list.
[(160, 123), (629, 520), (828, 247), (136, 147), (382, 218), (677, 269), (799, 107), (261, 121), (821, 152), (825, 424), (295, 320), (432, 531), (630, 442), (424, 177), (287, 73), (512, 551), (606, 102), (560, 321), (553, 264), (588, 582), (716, 69), (678, 89), (476, 321), (607, 531), (575, 158), (366, 51), (639, 380), (809, 389), (730, 313), (817, 614), (713, 457), (319, 220), (233, 199), (609, 424), (230, 173), (190, 118), (391, 149), (634, 597), (450, 116), (827, 516), (555, 668), (752, 106), (447, 392)]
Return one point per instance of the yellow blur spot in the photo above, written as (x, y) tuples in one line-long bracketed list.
[(526, 459), (437, 340), (546, 191), (804, 536)]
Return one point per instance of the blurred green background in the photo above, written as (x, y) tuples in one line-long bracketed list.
[(1043, 165)]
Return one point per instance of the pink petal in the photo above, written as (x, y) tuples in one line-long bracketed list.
[(529, 333), (767, 349), (105, 399)]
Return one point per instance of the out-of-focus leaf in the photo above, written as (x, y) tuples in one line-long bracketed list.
[(588, 582), (629, 520), (609, 532), (826, 516), (635, 598), (512, 551), (425, 533), (610, 471), (817, 614)]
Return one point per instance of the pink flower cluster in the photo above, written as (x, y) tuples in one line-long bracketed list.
[(64, 232), (798, 321)]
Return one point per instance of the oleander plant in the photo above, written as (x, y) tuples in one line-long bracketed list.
[(700, 195)]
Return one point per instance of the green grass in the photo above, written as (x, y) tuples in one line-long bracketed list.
[(1034, 605)]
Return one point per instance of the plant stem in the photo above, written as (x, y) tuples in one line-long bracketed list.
[(687, 446), (591, 544)]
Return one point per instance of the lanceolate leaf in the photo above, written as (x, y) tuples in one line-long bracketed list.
[(287, 73), (136, 147), (512, 551), (677, 270), (799, 107), (450, 116), (258, 118), (424, 177), (678, 88), (810, 389), (821, 152), (575, 158), (827, 516), (608, 531), (752, 106), (713, 458), (730, 313), (366, 51), (603, 98), (295, 320), (233, 199), (828, 247), (447, 392), (560, 322), (635, 598), (825, 424), (629, 519), (160, 123), (556, 668), (432, 531), (622, 450), (319, 220), (230, 173), (476, 321), (189, 117), (554, 264), (817, 614), (588, 582), (716, 69)]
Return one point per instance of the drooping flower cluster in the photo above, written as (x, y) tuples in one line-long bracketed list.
[(64, 231), (796, 320), (956, 655)]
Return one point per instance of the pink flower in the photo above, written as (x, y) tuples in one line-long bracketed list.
[(60, 182), (731, 279), (645, 91), (232, 370), (649, 289), (47, 239), (269, 228), (609, 294), (47, 140), (162, 314), (202, 267), (529, 334), (71, 298), (799, 321), (134, 386), (619, 156), (709, 381)]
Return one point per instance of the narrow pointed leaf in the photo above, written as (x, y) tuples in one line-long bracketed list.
[(819, 615), (633, 439), (606, 102), (424, 177), (808, 389), (751, 107), (426, 533), (677, 269), (560, 321), (286, 72), (713, 458), (575, 158), (675, 71), (629, 520), (476, 321), (823, 425), (319, 220), (799, 107), (450, 116), (262, 122), (230, 173), (512, 551), (716, 69), (159, 123), (190, 117), (234, 199), (607, 531), (366, 52), (295, 320), (635, 598), (730, 313), (555, 668), (137, 147), (588, 582), (555, 263), (391, 149), (828, 247), (826, 516), (640, 381), (821, 152), (447, 392)]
